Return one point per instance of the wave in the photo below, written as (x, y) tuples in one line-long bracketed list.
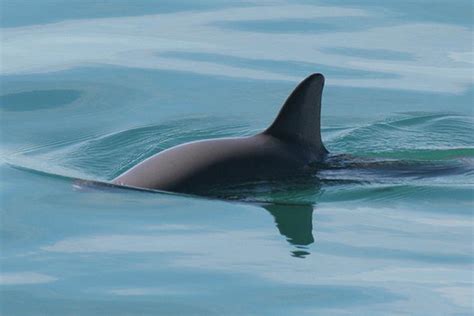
[(408, 133)]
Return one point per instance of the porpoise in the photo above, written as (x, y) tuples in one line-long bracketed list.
[(289, 146)]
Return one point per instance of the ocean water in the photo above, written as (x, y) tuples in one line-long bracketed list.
[(90, 88)]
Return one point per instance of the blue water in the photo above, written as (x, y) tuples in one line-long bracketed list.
[(90, 88)]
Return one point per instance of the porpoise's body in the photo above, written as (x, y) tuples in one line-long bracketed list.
[(288, 146)]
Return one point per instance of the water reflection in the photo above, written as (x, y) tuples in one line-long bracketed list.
[(295, 222), (38, 100)]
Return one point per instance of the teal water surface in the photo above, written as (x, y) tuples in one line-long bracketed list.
[(384, 227)]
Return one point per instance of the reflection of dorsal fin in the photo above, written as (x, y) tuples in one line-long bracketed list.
[(299, 119), (295, 222)]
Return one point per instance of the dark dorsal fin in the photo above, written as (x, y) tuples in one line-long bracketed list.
[(299, 119)]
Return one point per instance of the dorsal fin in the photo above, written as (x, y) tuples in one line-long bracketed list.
[(299, 119)]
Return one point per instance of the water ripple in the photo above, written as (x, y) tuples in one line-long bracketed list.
[(390, 159)]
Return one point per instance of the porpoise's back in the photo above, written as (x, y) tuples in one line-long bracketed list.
[(288, 145)]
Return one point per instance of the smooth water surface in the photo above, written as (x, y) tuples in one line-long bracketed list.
[(90, 88)]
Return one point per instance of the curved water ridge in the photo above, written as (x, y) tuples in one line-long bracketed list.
[(416, 135)]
